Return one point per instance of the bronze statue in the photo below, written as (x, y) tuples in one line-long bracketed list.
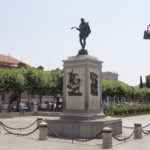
[(84, 31)]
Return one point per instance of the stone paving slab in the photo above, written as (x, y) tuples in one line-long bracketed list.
[(31, 142)]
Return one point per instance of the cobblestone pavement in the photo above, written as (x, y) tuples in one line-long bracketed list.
[(31, 142)]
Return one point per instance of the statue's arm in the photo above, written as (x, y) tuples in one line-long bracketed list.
[(75, 28)]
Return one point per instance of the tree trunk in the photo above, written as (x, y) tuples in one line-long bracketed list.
[(40, 98), (18, 101)]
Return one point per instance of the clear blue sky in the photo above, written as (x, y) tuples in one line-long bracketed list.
[(38, 32)]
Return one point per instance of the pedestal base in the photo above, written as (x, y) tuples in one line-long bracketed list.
[(82, 128), (82, 52), (81, 116)]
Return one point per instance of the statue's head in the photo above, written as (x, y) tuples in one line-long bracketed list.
[(82, 20)]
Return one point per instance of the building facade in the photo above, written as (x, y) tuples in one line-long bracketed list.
[(109, 76)]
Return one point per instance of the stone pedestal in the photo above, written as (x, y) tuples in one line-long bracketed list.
[(71, 128), (82, 90), (82, 116)]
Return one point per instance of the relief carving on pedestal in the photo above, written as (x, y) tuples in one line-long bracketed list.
[(94, 84), (73, 84)]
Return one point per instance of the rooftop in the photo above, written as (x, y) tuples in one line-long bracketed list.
[(7, 60)]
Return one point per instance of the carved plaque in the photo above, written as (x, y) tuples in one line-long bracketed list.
[(73, 84), (94, 84)]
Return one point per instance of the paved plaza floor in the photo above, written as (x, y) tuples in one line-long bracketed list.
[(31, 142)]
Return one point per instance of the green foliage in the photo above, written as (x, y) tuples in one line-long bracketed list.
[(141, 82), (144, 93), (11, 79), (147, 84), (53, 81), (127, 109), (38, 81), (119, 89), (115, 88), (35, 81)]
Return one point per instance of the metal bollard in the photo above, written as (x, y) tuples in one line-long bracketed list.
[(39, 120), (107, 137), (43, 131), (137, 131)]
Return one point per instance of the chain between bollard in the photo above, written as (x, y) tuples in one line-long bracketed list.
[(21, 134), (146, 132), (147, 125), (54, 132), (129, 127), (6, 128), (23, 128), (125, 138)]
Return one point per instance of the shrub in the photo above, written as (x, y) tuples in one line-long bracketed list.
[(127, 109)]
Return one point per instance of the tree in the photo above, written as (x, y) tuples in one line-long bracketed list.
[(40, 67), (34, 82), (22, 65), (12, 80), (141, 82), (117, 89), (54, 83), (148, 81)]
